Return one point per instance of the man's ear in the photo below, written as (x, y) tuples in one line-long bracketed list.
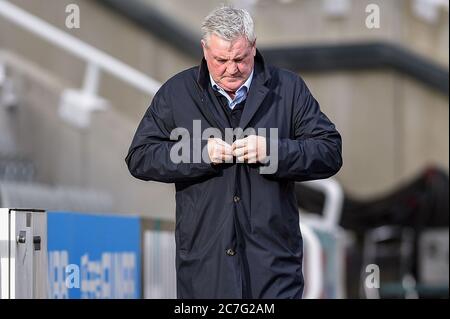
[(204, 47), (254, 48)]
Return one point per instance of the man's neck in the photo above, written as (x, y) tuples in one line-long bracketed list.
[(232, 94)]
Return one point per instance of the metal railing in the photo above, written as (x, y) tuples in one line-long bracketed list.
[(95, 58)]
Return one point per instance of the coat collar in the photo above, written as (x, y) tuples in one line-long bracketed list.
[(262, 73), (258, 88)]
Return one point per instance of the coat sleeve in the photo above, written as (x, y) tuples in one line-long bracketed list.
[(149, 154), (315, 150)]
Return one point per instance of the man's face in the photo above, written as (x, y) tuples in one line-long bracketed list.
[(229, 63)]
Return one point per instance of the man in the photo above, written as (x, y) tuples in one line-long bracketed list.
[(237, 229)]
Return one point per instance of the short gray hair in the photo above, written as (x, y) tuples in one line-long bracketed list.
[(229, 24)]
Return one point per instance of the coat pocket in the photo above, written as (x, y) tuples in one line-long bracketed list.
[(184, 210), (179, 222)]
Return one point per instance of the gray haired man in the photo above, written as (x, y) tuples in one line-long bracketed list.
[(237, 229)]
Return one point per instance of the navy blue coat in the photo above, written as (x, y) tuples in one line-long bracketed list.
[(237, 231)]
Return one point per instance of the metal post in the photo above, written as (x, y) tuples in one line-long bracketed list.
[(23, 254)]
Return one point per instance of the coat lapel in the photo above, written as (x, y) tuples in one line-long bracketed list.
[(256, 95), (217, 109), (209, 111), (206, 106)]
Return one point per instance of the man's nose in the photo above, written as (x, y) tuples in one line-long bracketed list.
[(232, 68)]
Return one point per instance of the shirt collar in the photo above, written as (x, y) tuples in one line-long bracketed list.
[(246, 84)]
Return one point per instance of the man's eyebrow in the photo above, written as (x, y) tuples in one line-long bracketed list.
[(239, 57), (217, 57)]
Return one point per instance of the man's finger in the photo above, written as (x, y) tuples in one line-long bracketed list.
[(221, 142), (240, 143), (240, 151), (224, 147), (228, 150), (227, 158), (251, 158)]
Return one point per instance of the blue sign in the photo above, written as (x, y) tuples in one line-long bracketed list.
[(94, 256)]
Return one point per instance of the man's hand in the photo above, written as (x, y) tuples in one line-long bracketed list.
[(251, 149), (219, 151)]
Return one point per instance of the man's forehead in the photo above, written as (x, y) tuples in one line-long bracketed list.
[(220, 46)]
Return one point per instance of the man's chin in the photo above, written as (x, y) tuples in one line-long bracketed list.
[(232, 86)]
